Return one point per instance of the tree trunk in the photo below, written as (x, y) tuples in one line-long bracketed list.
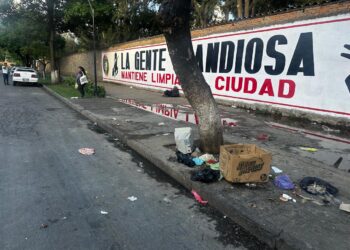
[(239, 8), (51, 19), (253, 7), (175, 15), (246, 8)]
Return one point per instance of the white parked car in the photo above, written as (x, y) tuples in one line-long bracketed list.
[(25, 76)]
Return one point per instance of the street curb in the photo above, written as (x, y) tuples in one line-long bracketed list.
[(267, 233)]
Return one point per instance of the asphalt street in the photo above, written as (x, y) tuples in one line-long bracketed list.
[(52, 196)]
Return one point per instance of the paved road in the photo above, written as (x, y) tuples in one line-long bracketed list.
[(52, 197)]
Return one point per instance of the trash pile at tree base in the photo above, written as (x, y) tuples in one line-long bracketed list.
[(251, 165)]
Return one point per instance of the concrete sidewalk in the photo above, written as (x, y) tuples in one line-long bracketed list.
[(284, 225)]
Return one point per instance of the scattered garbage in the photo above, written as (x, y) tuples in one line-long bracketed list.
[(215, 166), (132, 198), (74, 97), (114, 119), (283, 182), (241, 163), (43, 226), (87, 151), (166, 134), (338, 162), (250, 185), (345, 207), (304, 197), (312, 150), (207, 157), (276, 170), (172, 93), (103, 212), (184, 140), (329, 130), (141, 164), (161, 124), (263, 137), (196, 153), (167, 200), (253, 205), (211, 161), (286, 197), (199, 198), (206, 175), (316, 186), (198, 161), (185, 159)]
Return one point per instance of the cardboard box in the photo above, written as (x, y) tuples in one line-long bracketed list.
[(240, 163)]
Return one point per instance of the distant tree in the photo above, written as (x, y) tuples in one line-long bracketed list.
[(204, 12), (247, 8), (115, 21)]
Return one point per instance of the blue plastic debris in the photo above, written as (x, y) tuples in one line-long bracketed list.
[(283, 182), (198, 161)]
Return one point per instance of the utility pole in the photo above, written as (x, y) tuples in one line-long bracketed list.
[(94, 44)]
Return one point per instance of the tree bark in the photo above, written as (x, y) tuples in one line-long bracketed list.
[(51, 27), (175, 16), (239, 8), (246, 8), (253, 7)]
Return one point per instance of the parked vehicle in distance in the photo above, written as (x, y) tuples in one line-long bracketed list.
[(25, 76)]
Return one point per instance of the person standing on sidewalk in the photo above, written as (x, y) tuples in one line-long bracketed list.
[(5, 73), (81, 84)]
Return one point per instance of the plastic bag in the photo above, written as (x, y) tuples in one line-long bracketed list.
[(184, 140), (284, 182)]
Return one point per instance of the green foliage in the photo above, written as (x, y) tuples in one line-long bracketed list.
[(89, 90), (67, 88), (46, 81), (24, 32), (115, 21), (64, 90), (261, 6), (69, 81), (204, 12)]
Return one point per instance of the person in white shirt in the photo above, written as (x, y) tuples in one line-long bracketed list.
[(5, 73)]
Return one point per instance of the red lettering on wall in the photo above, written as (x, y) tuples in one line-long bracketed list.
[(250, 85), (267, 88), (282, 87)]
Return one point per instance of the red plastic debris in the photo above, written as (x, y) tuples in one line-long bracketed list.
[(198, 198), (263, 137), (211, 162)]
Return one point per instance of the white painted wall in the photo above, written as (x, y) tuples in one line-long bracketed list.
[(315, 46)]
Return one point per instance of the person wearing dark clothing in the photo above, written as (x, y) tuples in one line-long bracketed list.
[(172, 93), (5, 73), (81, 72)]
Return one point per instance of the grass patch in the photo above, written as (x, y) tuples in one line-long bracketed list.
[(46, 81), (64, 90), (67, 88)]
